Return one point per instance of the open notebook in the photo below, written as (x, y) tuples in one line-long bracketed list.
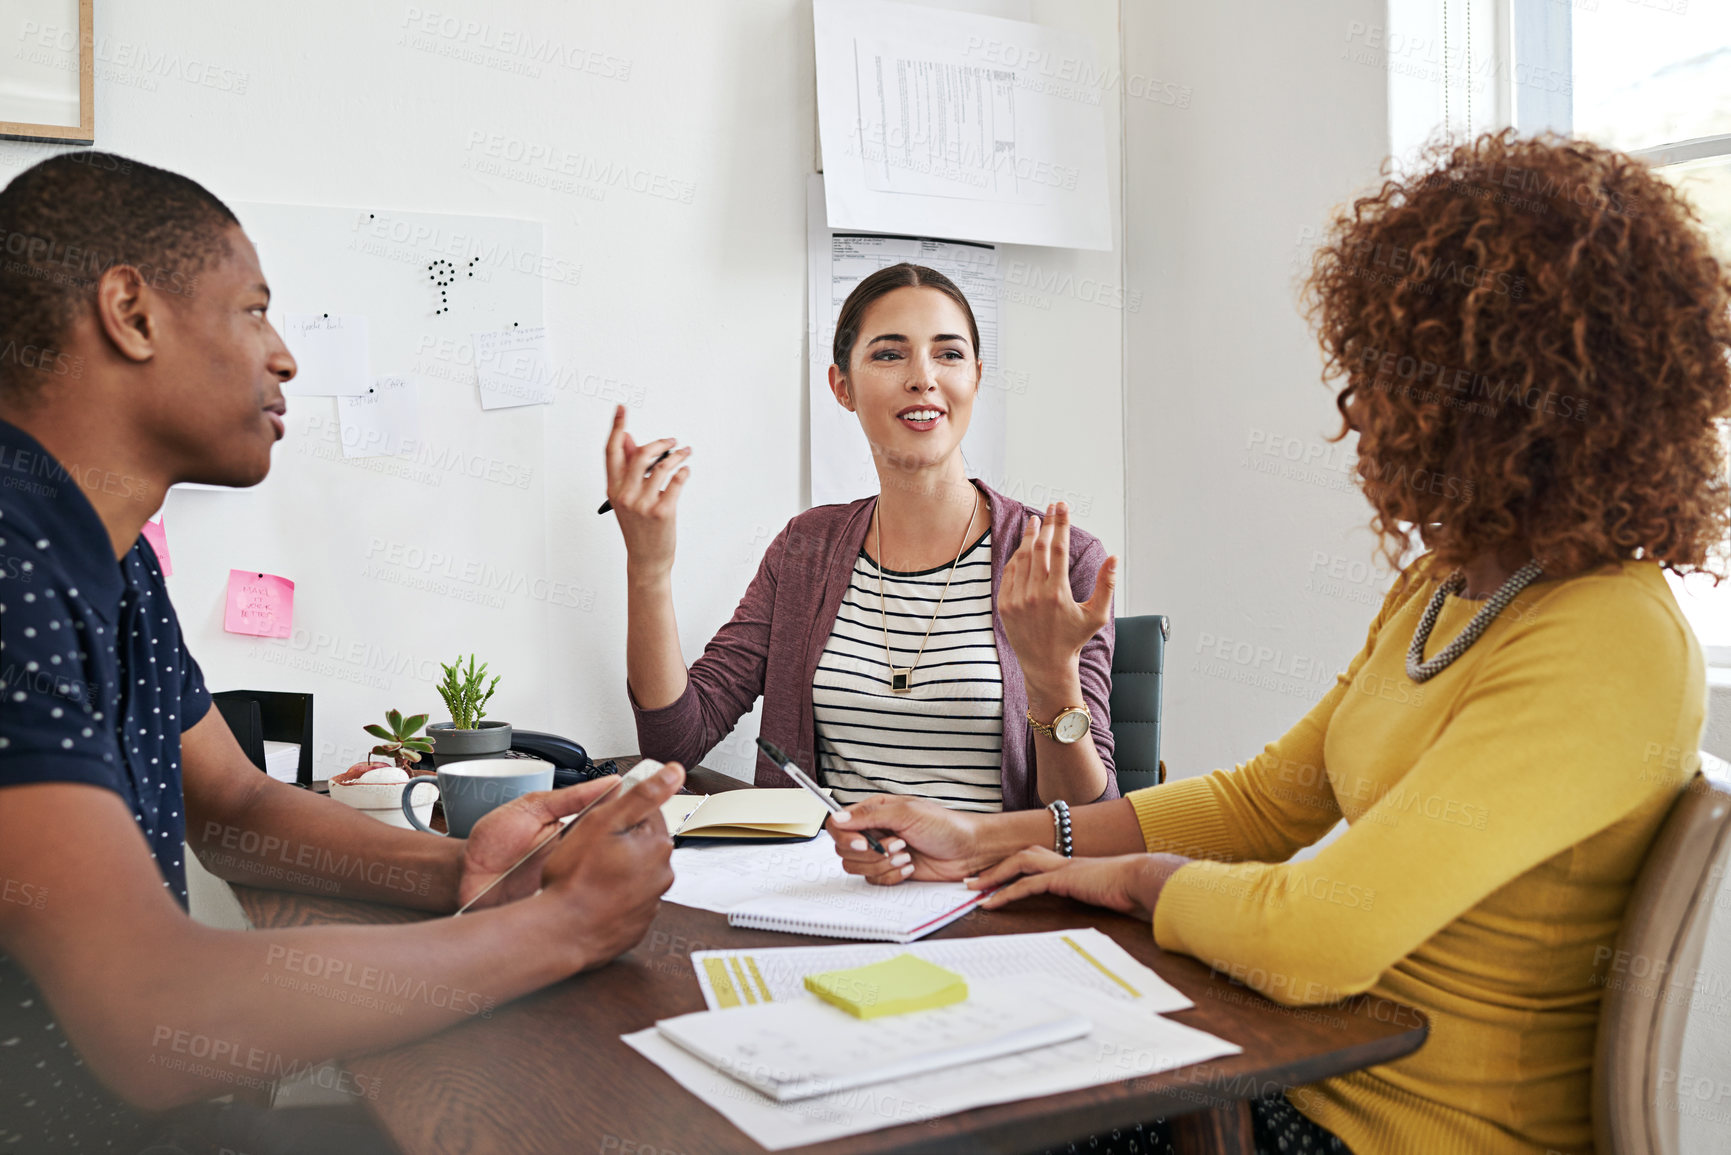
[(770, 815), (800, 887)]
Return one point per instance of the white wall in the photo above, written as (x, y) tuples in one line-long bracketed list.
[(1225, 199), (695, 308)]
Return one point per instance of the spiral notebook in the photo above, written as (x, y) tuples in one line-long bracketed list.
[(853, 908)]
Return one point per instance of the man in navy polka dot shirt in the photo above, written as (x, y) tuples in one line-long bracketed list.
[(134, 354)]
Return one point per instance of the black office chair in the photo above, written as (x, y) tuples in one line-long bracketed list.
[(1138, 666)]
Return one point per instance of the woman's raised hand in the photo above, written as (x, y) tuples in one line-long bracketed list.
[(645, 497), (1046, 625)]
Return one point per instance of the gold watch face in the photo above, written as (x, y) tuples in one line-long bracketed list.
[(1071, 725)]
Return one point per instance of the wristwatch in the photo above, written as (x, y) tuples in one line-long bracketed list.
[(1069, 726)]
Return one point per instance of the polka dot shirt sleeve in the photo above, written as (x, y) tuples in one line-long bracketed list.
[(52, 725)]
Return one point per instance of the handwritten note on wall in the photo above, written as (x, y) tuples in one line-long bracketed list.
[(330, 352), (511, 366), (382, 422), (260, 604)]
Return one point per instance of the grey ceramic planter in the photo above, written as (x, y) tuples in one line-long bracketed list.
[(450, 744)]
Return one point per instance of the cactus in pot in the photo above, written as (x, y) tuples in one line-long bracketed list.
[(466, 691)]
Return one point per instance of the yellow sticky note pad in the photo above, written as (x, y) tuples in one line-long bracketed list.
[(892, 987)]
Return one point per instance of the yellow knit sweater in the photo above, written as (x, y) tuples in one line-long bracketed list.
[(1497, 816)]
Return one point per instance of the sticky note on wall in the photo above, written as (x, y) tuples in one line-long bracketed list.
[(892, 987), (331, 355), (157, 536), (260, 604)]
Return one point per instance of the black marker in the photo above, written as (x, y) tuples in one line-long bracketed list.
[(665, 454)]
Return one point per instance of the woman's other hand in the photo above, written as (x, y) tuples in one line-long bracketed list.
[(1129, 884), (645, 505), (1046, 625)]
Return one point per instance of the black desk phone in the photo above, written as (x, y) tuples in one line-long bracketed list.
[(571, 763)]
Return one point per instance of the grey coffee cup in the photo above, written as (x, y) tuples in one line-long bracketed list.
[(470, 790)]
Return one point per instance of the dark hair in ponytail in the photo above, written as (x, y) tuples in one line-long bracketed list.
[(902, 276)]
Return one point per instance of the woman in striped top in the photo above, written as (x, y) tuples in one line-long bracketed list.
[(939, 640)]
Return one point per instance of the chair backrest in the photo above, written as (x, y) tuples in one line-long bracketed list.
[(1138, 668), (260, 716), (1649, 979)]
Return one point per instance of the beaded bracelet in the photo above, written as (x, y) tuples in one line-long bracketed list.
[(1061, 827)]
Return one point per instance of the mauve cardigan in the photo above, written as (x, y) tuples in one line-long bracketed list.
[(772, 646)]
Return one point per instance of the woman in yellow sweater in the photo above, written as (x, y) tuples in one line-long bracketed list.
[(1537, 385)]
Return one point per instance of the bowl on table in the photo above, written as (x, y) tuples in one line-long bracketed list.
[(377, 791)]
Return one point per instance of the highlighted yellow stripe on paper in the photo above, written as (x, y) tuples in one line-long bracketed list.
[(751, 964), (722, 985), (739, 977), (1101, 967)]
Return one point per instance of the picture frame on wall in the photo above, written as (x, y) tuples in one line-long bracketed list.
[(48, 78)]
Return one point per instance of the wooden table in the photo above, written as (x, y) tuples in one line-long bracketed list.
[(548, 1073)]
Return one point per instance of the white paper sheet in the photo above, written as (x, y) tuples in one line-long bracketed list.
[(805, 879), (382, 422), (1126, 1043), (512, 367), (805, 1047), (1083, 958), (949, 124), (331, 354), (841, 459)]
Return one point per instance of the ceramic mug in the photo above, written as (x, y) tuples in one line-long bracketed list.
[(470, 790)]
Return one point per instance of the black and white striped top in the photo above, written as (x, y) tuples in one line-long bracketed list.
[(945, 739)]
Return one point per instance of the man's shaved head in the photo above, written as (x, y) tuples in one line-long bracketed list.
[(66, 221)]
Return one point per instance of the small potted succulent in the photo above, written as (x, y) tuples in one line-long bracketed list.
[(465, 736), (375, 787)]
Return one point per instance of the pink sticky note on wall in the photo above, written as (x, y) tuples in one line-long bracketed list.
[(157, 536), (260, 604)]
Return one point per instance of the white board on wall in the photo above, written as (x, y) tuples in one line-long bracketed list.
[(399, 561)]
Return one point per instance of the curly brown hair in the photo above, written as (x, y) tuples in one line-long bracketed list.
[(1534, 334)]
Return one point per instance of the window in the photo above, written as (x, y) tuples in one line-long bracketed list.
[(1654, 77)]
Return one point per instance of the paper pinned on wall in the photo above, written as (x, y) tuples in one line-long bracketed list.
[(949, 124), (331, 354), (157, 536), (382, 422), (512, 367), (841, 458), (260, 604)]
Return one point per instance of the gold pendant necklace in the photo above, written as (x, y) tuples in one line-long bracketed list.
[(902, 677)]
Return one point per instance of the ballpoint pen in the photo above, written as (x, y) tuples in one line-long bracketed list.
[(801, 777)]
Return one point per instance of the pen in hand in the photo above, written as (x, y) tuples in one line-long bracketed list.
[(665, 454), (802, 778)]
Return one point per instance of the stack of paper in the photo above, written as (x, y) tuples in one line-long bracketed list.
[(282, 761), (1126, 1041), (799, 1049)]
